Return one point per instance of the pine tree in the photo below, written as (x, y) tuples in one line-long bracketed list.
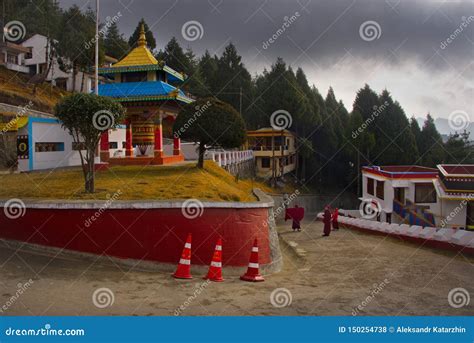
[(174, 56), (150, 39), (114, 43), (233, 83), (459, 149), (431, 144)]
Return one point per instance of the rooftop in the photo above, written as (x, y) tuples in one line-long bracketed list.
[(147, 90), (269, 130), (141, 59), (402, 171), (459, 170)]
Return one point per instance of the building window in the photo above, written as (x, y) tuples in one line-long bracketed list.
[(78, 146), (134, 77), (12, 59), (124, 145), (265, 162), (45, 147), (28, 55), (370, 186), (113, 145), (425, 193), (379, 190)]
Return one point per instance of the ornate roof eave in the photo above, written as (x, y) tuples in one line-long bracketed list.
[(147, 67), (154, 98), (129, 69)]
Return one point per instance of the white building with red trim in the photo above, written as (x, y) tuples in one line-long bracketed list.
[(418, 195)]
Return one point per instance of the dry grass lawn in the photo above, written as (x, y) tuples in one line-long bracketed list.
[(15, 90), (134, 182)]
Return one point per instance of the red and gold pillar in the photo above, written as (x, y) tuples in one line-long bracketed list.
[(158, 150), (104, 147), (176, 146), (128, 138)]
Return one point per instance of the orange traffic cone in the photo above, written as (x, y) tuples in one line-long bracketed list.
[(215, 269), (253, 269), (184, 266)]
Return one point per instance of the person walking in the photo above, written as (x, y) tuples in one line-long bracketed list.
[(335, 223), (327, 222), (296, 214)]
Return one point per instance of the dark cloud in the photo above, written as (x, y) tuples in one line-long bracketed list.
[(325, 40)]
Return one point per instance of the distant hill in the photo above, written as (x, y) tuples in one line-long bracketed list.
[(444, 128)]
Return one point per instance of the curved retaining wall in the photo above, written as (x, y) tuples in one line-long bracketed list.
[(149, 231), (441, 238)]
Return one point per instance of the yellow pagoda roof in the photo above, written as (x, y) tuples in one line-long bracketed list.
[(139, 56)]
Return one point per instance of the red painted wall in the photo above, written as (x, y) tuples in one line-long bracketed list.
[(152, 234)]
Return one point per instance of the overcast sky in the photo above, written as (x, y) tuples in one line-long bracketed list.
[(406, 52)]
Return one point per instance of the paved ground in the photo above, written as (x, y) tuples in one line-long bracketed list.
[(383, 276)]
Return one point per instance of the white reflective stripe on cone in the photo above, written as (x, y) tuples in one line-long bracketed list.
[(216, 264), (187, 245), (183, 261), (255, 249), (253, 265), (219, 247)]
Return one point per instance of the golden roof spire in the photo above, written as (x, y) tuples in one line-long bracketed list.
[(142, 38)]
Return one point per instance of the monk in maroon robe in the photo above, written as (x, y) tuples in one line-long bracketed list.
[(335, 216), (327, 221), (297, 215)]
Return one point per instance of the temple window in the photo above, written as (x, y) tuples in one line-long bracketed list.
[(425, 193), (46, 147), (380, 189), (134, 77), (370, 186)]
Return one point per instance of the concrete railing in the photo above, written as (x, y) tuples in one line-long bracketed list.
[(445, 238), (227, 158)]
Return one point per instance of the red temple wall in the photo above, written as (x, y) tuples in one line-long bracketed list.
[(156, 234)]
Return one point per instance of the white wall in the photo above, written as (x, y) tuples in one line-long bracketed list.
[(389, 194), (54, 133), (39, 44)]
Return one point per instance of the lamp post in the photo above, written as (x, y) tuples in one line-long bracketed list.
[(96, 85)]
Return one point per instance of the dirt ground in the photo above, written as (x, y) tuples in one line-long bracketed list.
[(380, 275)]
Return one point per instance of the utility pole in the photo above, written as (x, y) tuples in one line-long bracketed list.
[(240, 101), (96, 85)]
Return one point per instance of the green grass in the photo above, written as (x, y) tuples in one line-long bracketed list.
[(134, 183)]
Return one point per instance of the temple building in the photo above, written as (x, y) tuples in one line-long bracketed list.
[(144, 86)]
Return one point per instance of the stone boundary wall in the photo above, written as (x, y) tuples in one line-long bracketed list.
[(441, 238), (150, 234)]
